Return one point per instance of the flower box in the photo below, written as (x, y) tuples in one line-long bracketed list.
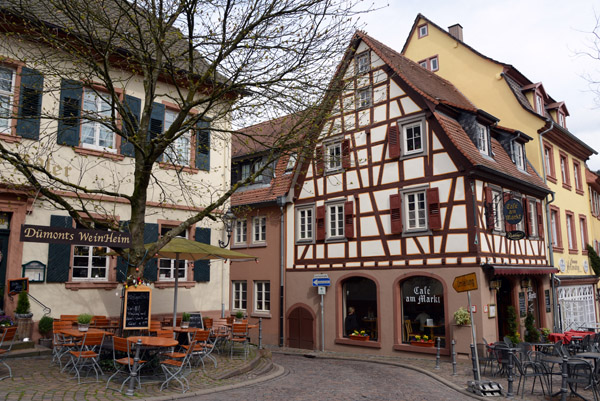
[(359, 338), (422, 343)]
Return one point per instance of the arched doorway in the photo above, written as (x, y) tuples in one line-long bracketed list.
[(301, 329)]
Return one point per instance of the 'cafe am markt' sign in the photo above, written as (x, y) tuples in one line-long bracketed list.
[(423, 295), (513, 214), (57, 235)]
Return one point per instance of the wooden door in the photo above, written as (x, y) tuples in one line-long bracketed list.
[(301, 329)]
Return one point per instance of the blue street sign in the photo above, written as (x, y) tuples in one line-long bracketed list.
[(321, 282)]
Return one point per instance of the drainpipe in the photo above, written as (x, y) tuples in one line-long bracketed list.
[(555, 326), (281, 204)]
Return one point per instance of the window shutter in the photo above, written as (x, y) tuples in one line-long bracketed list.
[(69, 112), (151, 235), (319, 165), (506, 197), (540, 219), (202, 267), (30, 103), (133, 107), (393, 141), (396, 213), (59, 255), (346, 153), (526, 217), (349, 219), (122, 262), (320, 222), (157, 119), (203, 145), (490, 219), (433, 208)]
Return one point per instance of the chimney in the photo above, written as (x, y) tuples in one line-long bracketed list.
[(456, 31)]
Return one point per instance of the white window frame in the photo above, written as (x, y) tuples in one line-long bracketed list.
[(240, 235), (570, 237), (91, 252), (433, 60), (547, 156), (262, 291), (411, 123), (245, 171), (6, 122), (333, 156), (539, 104), (239, 295), (554, 223), (179, 151), (423, 31), (335, 221), (497, 205), (423, 64), (305, 224), (482, 139), (363, 98), (533, 228), (291, 163), (411, 198), (563, 169), (259, 230), (519, 155), (582, 232), (363, 62), (101, 109), (165, 264), (561, 119)]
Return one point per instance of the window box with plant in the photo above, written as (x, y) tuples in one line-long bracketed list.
[(422, 341), (359, 335), (83, 321), (185, 320)]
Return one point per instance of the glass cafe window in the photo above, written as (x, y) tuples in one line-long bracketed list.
[(422, 309), (360, 306)]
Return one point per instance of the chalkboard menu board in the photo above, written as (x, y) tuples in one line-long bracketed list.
[(547, 299), (18, 285), (137, 308), (522, 306), (196, 320)]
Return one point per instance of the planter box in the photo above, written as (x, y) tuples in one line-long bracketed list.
[(420, 344), (359, 338), (462, 336)]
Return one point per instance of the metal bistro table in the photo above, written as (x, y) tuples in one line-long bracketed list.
[(148, 341), (568, 364)]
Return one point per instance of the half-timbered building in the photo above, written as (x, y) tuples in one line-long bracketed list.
[(405, 193)]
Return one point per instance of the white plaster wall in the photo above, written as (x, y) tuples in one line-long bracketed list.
[(414, 168)]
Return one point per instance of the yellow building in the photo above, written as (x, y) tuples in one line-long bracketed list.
[(555, 153)]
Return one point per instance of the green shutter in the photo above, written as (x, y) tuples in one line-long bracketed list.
[(133, 107), (122, 262), (202, 267), (70, 109), (203, 145), (59, 255), (30, 103), (157, 119), (151, 235)]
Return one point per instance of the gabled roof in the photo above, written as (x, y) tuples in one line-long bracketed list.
[(592, 179), (501, 162), (431, 86)]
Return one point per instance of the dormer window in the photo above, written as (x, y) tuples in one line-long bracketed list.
[(431, 63), (539, 104), (518, 154), (363, 64), (561, 119), (423, 31), (482, 139)]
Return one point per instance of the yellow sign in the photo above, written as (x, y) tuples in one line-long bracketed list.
[(468, 282)]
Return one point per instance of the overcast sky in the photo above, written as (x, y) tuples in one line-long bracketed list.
[(539, 38)]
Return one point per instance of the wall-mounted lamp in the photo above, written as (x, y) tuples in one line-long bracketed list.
[(525, 283), (495, 284), (228, 220)]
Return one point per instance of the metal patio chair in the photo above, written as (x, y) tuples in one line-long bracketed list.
[(124, 364), (7, 339), (175, 369)]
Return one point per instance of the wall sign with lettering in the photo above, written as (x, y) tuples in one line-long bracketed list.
[(137, 308), (547, 300), (196, 320), (18, 285), (522, 305)]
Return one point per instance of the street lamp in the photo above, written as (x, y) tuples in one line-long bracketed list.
[(525, 283), (495, 284), (228, 219)]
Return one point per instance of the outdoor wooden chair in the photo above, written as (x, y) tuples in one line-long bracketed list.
[(155, 325), (203, 348), (239, 337), (177, 369), (220, 334), (124, 364), (208, 323), (7, 338), (87, 355), (61, 344), (164, 333)]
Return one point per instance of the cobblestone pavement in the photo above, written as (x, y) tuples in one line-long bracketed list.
[(335, 379)]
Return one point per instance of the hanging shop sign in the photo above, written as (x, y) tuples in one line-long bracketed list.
[(513, 211), (56, 235), (515, 235)]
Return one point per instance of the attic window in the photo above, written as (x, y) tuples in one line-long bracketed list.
[(423, 31), (291, 163), (561, 119), (518, 155), (539, 104), (363, 64), (482, 139)]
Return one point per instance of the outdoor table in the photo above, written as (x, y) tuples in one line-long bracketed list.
[(147, 341), (74, 332)]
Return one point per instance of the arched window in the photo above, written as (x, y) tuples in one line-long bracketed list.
[(360, 306), (422, 309)]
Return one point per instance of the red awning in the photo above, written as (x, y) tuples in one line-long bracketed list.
[(507, 270)]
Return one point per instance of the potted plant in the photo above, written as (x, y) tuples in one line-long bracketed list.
[(422, 341), (545, 332), (5, 321), (45, 327), (462, 317), (532, 334), (359, 335), (23, 316), (239, 315), (513, 325), (185, 320), (83, 321)]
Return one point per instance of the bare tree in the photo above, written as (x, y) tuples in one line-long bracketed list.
[(592, 51), (228, 62)]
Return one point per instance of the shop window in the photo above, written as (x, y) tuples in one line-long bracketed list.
[(422, 302), (238, 295), (167, 267), (360, 306)]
